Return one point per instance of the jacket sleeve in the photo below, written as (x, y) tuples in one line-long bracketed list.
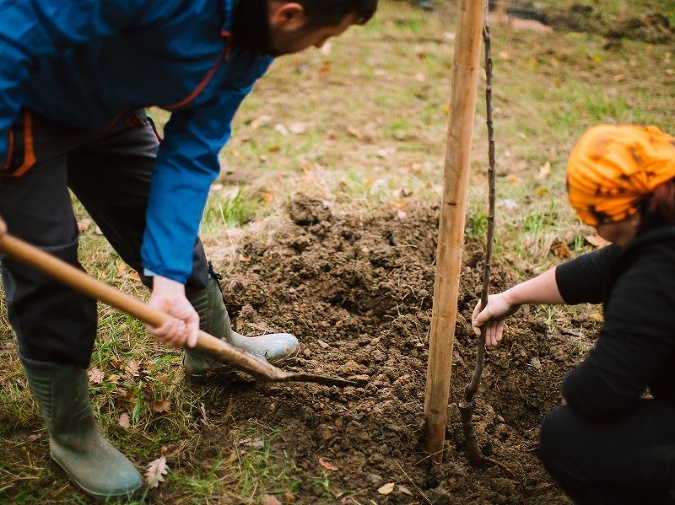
[(33, 32), (186, 165), (637, 338), (582, 280)]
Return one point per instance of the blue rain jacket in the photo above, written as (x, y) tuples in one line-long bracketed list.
[(90, 63)]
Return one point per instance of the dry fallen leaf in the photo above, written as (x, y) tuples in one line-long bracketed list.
[(355, 132), (95, 375), (156, 471), (133, 368), (560, 249), (405, 490), (83, 224), (326, 49), (161, 406), (269, 499), (387, 152), (124, 420), (297, 128), (596, 240), (260, 121), (387, 488), (327, 465), (508, 203)]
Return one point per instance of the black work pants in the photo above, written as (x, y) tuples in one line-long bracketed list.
[(627, 462), (110, 173)]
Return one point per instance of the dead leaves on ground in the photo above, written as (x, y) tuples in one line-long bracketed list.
[(156, 471), (390, 487), (562, 250), (124, 271), (131, 388), (596, 241), (385, 489), (95, 375), (269, 499), (124, 421), (328, 465)]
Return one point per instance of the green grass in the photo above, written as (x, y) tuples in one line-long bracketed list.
[(229, 210), (374, 113), (259, 467)]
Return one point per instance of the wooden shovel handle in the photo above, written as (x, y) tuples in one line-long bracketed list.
[(79, 280)]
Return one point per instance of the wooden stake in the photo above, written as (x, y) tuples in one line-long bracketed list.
[(452, 220)]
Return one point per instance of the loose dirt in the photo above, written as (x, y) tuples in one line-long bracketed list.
[(357, 291)]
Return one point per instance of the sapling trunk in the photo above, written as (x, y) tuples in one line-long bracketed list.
[(474, 454)]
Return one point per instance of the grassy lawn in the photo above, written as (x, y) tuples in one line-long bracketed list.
[(362, 125)]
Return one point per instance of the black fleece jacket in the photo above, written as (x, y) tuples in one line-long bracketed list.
[(636, 345)]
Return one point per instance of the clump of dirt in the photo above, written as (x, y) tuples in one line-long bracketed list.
[(357, 291), (652, 27)]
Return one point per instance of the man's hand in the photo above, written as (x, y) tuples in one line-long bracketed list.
[(497, 310), (169, 297)]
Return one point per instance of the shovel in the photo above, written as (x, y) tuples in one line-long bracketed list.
[(80, 281)]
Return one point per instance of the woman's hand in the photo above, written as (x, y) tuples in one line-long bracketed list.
[(169, 297), (540, 289), (493, 316)]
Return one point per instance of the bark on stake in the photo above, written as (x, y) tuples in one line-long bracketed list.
[(452, 219), (466, 405)]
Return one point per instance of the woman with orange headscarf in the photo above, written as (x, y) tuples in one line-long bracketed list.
[(613, 439)]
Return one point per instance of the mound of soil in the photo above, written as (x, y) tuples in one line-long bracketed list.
[(357, 291), (651, 27)]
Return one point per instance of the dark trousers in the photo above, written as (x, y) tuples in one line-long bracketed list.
[(110, 172), (627, 462)]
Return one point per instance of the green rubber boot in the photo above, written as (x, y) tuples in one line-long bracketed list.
[(214, 320), (74, 440)]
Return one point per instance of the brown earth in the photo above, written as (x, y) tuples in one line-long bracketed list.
[(652, 26), (357, 291)]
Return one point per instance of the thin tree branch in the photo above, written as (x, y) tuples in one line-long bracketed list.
[(476, 458)]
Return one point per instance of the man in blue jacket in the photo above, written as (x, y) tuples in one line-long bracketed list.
[(74, 79)]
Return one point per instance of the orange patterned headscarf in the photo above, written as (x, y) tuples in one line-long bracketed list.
[(612, 168)]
